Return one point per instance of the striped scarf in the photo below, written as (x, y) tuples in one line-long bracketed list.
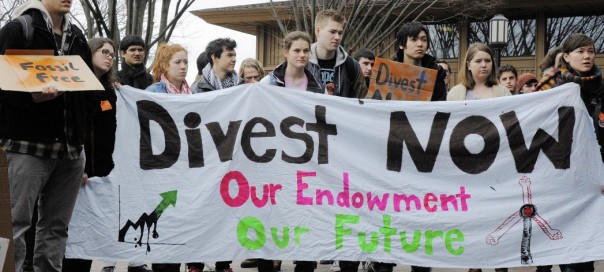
[(590, 85), (171, 89)]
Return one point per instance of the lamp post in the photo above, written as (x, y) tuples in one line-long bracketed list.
[(498, 35)]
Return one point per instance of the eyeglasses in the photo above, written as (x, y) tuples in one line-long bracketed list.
[(531, 84), (108, 53)]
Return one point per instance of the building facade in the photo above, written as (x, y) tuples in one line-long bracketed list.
[(534, 28)]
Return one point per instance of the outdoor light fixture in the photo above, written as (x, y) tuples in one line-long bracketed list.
[(498, 35)]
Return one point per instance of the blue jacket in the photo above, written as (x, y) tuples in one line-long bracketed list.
[(157, 87)]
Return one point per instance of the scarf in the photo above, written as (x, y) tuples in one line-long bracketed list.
[(554, 77), (232, 79), (171, 89)]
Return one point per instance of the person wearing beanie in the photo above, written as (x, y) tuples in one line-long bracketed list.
[(133, 72), (526, 83)]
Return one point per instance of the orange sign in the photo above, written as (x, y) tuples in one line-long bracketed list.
[(391, 80), (29, 73)]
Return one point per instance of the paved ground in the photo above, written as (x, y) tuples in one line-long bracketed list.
[(288, 266)]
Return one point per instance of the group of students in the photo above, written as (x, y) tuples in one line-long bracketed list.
[(54, 140)]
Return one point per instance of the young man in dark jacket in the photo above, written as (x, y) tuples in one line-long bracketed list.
[(341, 74), (414, 41), (220, 72), (43, 134), (133, 73)]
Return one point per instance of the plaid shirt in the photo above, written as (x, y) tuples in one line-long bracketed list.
[(56, 150)]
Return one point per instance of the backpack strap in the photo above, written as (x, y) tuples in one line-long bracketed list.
[(273, 82), (352, 70), (28, 28)]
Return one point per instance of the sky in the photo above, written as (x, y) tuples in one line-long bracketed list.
[(194, 34)]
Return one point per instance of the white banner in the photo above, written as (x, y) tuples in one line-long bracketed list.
[(268, 172)]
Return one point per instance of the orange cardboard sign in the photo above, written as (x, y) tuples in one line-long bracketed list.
[(31, 73), (391, 80)]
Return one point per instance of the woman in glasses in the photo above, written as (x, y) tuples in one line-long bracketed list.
[(99, 144), (101, 136)]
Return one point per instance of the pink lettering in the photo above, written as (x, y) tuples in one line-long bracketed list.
[(376, 201), (260, 202), (430, 197), (344, 196), (301, 199), (245, 191), (408, 199), (357, 200), (242, 185), (463, 197)]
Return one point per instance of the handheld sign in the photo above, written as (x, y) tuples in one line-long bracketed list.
[(31, 73), (391, 80)]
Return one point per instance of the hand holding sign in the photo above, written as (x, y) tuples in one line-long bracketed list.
[(42, 73), (48, 93)]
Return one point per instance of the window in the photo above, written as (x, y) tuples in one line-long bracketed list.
[(444, 41), (558, 29), (521, 36)]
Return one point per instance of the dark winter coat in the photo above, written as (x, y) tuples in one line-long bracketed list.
[(427, 61), (312, 71), (20, 117), (134, 76), (101, 138)]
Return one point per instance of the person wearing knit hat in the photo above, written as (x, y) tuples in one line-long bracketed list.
[(526, 83)]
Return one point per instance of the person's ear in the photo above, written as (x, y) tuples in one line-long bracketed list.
[(565, 56)]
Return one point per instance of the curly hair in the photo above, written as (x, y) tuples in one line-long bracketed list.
[(162, 59)]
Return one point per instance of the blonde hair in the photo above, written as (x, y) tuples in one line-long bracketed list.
[(465, 77), (294, 36), (325, 15), (251, 63), (162, 59)]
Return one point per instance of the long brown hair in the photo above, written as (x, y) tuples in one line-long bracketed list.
[(465, 77), (96, 44)]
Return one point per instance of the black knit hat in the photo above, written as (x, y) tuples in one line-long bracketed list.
[(131, 40)]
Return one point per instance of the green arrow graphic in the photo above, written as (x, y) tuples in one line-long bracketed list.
[(167, 199)]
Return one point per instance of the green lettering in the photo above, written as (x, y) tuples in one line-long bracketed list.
[(458, 238), (342, 219), (387, 231), (243, 228), (280, 243), (298, 231), (417, 235), (430, 235), (368, 247)]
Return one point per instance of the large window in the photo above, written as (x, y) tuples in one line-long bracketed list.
[(559, 28), (521, 41), (444, 41)]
